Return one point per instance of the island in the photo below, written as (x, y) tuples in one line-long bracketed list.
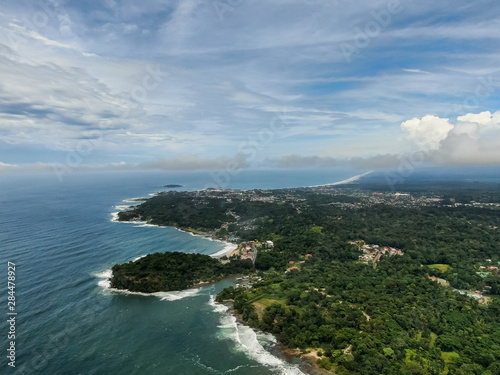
[(358, 279), (173, 186)]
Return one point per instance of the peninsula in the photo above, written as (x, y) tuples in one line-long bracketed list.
[(359, 279)]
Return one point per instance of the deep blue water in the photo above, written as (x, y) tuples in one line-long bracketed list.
[(61, 238)]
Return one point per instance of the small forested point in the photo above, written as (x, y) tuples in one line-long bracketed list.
[(169, 271)]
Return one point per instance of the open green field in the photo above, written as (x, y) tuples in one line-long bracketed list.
[(441, 267)]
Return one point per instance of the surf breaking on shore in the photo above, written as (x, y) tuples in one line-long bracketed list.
[(250, 341), (228, 248), (105, 284)]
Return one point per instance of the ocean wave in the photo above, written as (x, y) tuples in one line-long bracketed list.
[(122, 207), (105, 277), (125, 207), (218, 307), (137, 200), (105, 284), (143, 224), (114, 219), (250, 341)]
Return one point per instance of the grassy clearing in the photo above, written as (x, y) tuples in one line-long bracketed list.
[(262, 303), (441, 267)]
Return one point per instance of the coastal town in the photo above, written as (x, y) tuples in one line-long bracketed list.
[(248, 250), (344, 196), (351, 253), (374, 253)]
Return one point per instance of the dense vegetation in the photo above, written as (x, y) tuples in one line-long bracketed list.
[(304, 221), (386, 317), (386, 320), (173, 271)]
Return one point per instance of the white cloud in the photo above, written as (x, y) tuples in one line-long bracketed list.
[(485, 119), (416, 71), (428, 131), (228, 78), (473, 140)]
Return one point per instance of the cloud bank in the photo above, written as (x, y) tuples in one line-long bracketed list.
[(173, 80)]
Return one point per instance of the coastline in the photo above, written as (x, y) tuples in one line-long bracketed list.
[(302, 363), (349, 180), (174, 295), (305, 363), (228, 248), (247, 339)]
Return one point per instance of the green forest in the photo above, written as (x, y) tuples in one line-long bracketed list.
[(384, 317), (173, 271)]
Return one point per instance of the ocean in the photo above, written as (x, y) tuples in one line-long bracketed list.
[(63, 241)]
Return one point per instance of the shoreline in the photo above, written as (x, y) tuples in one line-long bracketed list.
[(306, 365), (173, 295), (228, 248)]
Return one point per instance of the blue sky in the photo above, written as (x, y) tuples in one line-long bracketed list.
[(204, 84)]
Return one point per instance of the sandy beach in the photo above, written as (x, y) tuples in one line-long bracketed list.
[(346, 181)]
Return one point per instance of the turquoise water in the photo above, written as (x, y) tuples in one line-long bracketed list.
[(61, 237)]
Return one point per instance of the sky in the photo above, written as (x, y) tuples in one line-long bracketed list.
[(228, 84)]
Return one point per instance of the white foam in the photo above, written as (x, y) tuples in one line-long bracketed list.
[(137, 200), (218, 307), (249, 341), (122, 207), (105, 277), (228, 249), (176, 295), (114, 219), (105, 284), (143, 224)]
